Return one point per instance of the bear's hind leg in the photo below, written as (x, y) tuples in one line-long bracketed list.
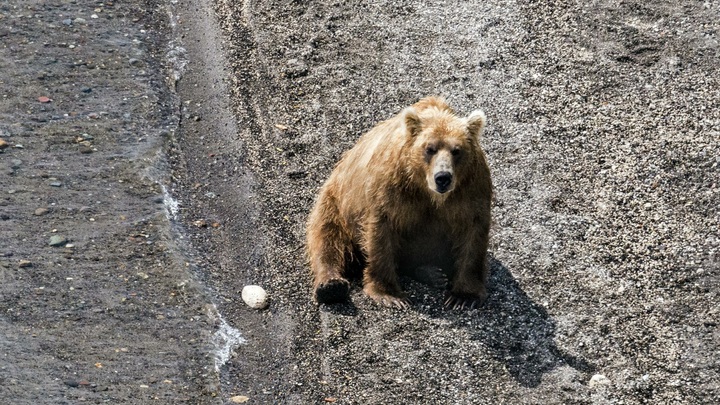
[(327, 246)]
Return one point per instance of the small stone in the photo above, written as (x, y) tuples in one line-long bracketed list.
[(44, 99), (135, 62), (15, 164), (239, 399), (41, 211), (67, 21), (86, 150), (72, 383), (80, 20), (4, 217), (254, 296), (4, 144), (296, 174), (94, 16), (598, 380), (24, 263), (55, 184), (295, 68), (86, 90), (57, 240)]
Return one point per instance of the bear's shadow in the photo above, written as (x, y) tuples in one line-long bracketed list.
[(516, 330)]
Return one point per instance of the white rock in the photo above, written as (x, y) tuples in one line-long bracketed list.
[(598, 380), (254, 296)]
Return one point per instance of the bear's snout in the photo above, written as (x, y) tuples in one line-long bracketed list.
[(443, 181)]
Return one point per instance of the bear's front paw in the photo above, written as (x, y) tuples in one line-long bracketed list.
[(332, 291), (399, 300), (462, 301)]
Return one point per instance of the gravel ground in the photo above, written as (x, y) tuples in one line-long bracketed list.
[(603, 140)]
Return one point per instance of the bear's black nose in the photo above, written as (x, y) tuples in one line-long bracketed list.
[(443, 180)]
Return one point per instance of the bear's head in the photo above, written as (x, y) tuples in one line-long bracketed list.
[(444, 148)]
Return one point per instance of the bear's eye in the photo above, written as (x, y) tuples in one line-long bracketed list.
[(455, 151), (430, 150)]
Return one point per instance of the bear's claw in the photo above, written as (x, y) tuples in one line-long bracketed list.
[(332, 291), (388, 300), (462, 301)]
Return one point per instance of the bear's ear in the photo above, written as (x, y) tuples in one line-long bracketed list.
[(412, 121), (476, 123)]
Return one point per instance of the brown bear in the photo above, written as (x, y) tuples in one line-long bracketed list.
[(413, 193)]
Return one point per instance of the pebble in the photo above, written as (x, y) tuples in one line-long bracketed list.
[(295, 68), (3, 144), (41, 211), (15, 164), (80, 20), (239, 399), (56, 184), (57, 240), (598, 380), (254, 296), (24, 263), (296, 174), (135, 62), (67, 21)]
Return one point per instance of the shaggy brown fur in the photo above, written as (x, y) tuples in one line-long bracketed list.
[(414, 192)]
